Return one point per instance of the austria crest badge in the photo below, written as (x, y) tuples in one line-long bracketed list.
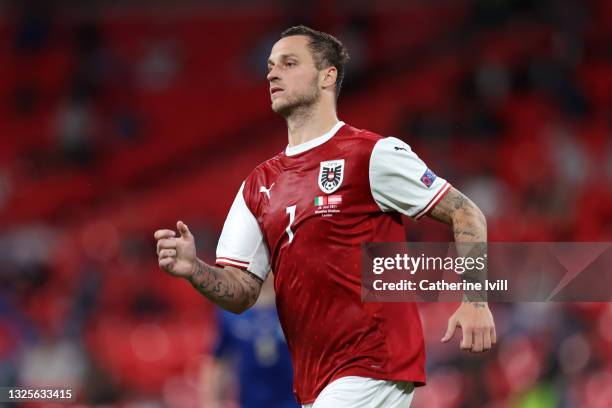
[(331, 175)]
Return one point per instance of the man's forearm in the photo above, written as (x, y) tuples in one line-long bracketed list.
[(470, 232), (230, 288), (470, 238), (468, 222)]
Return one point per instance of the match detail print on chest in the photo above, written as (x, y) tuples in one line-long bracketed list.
[(316, 192), (330, 179)]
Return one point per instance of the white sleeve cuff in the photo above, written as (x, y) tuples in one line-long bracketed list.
[(401, 181), (242, 243)]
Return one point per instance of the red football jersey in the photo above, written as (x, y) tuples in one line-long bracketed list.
[(304, 214)]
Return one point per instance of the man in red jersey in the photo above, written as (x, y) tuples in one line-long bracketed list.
[(304, 214)]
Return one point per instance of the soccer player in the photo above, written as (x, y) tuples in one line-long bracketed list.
[(304, 214)]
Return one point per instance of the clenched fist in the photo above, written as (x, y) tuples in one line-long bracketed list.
[(176, 255)]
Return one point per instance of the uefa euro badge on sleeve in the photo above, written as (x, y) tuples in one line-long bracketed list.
[(331, 175), (428, 178)]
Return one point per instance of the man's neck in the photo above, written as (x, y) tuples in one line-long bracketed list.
[(310, 122)]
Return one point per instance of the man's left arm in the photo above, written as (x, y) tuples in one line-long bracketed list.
[(469, 227)]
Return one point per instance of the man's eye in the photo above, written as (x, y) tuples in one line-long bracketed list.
[(290, 64)]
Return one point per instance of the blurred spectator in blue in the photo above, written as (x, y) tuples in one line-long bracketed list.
[(251, 359)]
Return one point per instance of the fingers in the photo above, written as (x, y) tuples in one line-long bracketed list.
[(466, 341), (182, 229), (166, 238), (477, 341), (167, 253), (164, 233), (477, 326), (450, 329), (166, 244), (486, 339), (166, 264)]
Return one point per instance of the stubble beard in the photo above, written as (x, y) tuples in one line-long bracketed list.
[(300, 106)]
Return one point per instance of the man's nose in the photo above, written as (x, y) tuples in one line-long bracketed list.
[(272, 75)]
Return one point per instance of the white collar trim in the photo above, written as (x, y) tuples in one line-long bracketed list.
[(301, 148)]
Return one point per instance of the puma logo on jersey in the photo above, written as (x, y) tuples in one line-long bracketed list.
[(265, 190), (399, 148)]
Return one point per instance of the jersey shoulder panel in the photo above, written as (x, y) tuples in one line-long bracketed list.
[(357, 143), (363, 135), (401, 181), (259, 181)]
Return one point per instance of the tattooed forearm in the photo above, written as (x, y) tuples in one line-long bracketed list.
[(230, 288), (469, 224), (470, 233), (211, 280)]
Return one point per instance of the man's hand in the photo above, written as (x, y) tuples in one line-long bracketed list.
[(176, 255), (231, 288), (476, 322)]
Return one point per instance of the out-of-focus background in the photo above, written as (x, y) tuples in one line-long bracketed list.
[(121, 117)]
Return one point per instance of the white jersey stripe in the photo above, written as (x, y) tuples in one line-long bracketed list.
[(433, 201), (231, 262)]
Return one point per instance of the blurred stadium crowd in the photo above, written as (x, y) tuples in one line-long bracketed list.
[(118, 119)]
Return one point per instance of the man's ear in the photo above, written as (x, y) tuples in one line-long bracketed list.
[(329, 76)]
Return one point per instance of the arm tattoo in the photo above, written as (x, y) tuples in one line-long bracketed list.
[(232, 289), (469, 224), (470, 232), (479, 305)]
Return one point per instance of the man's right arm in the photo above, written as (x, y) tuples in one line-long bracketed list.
[(231, 288)]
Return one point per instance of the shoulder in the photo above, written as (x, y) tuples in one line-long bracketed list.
[(363, 136), (392, 152), (357, 143), (368, 143), (264, 173), (368, 140)]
